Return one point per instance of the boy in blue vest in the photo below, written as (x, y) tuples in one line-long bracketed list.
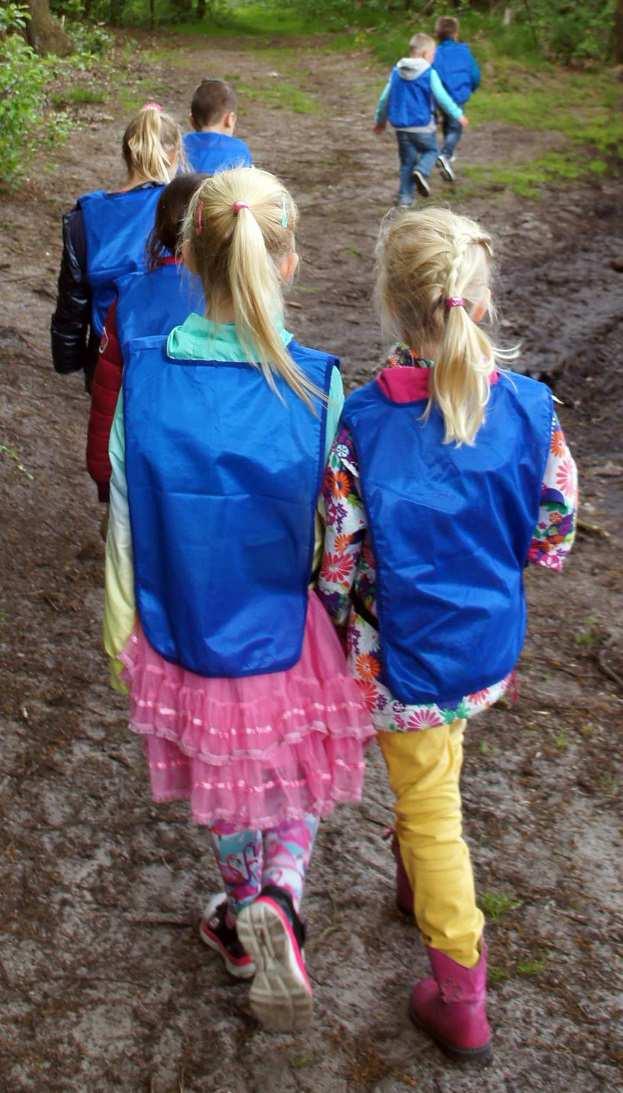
[(408, 101), (460, 75), (212, 146)]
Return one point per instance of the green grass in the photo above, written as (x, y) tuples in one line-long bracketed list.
[(78, 96), (495, 905), (280, 93), (530, 967)]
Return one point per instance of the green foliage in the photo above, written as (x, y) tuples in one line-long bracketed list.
[(22, 78), (13, 17), (496, 904)]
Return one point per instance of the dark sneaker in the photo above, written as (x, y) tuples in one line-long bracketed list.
[(445, 169), (215, 932), (272, 932), (421, 184)]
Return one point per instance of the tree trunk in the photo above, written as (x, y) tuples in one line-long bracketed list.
[(618, 33), (44, 33)]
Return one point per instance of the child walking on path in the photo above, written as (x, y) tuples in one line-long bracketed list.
[(446, 478), (147, 303), (212, 145), (237, 680), (408, 101), (104, 236), (459, 72)]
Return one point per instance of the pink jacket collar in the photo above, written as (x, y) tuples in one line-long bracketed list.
[(405, 383)]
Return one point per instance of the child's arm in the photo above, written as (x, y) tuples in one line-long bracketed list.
[(104, 391), (119, 603), (380, 114), (554, 534), (71, 320), (444, 100), (345, 524)]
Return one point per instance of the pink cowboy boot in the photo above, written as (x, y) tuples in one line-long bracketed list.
[(404, 891), (451, 1007)]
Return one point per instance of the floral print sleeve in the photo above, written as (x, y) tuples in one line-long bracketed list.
[(555, 531), (345, 524)]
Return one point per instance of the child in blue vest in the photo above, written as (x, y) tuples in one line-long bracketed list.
[(237, 680), (460, 75), (104, 237), (447, 477), (147, 303), (212, 145), (408, 101)]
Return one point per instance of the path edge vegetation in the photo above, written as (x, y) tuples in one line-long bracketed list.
[(524, 82)]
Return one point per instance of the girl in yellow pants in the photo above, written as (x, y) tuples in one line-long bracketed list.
[(446, 477)]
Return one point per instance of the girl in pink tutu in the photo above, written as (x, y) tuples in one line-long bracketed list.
[(237, 681)]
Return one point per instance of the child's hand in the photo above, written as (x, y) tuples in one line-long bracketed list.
[(379, 127), (464, 121)]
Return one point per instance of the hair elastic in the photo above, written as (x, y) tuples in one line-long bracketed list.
[(454, 301), (284, 210), (199, 218), (152, 106), (238, 205)]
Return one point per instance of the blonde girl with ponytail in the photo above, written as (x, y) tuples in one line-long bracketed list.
[(237, 680), (448, 475), (105, 235)]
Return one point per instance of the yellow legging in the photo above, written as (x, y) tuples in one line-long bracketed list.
[(424, 769)]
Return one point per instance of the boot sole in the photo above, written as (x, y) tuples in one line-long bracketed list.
[(281, 994), (480, 1056)]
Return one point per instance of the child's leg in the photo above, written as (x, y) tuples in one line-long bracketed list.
[(424, 770), (427, 152), (287, 852), (452, 133), (407, 153), (239, 858)]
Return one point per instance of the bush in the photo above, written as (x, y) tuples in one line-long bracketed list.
[(22, 78)]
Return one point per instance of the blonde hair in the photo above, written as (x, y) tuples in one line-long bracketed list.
[(424, 259), (152, 145), (239, 224), (420, 44)]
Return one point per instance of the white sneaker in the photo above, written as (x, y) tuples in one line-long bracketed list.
[(271, 931), (445, 169)]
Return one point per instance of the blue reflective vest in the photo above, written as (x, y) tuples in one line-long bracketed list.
[(155, 302), (457, 69), (212, 152), (410, 101), (450, 527), (223, 479), (116, 227)]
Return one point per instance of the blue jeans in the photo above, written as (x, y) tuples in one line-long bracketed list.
[(452, 133), (416, 151)]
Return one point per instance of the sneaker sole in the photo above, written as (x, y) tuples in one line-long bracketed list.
[(421, 185), (281, 994), (239, 971), (446, 172)]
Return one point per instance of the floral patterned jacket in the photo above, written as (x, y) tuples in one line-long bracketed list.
[(349, 563)]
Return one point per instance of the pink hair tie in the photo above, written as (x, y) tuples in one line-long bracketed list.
[(454, 301), (199, 218), (238, 205), (152, 106)]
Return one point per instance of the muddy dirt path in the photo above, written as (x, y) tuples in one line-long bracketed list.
[(105, 984)]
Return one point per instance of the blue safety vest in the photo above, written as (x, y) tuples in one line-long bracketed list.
[(223, 479), (212, 152), (116, 227), (450, 527), (410, 101), (455, 67), (155, 302)]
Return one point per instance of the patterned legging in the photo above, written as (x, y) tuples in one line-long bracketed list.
[(248, 860)]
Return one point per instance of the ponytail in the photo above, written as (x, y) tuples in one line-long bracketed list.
[(433, 267), (239, 225), (152, 144)]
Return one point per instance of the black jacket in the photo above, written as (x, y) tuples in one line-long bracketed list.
[(74, 344)]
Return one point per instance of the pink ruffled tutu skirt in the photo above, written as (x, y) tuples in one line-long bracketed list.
[(252, 752)]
